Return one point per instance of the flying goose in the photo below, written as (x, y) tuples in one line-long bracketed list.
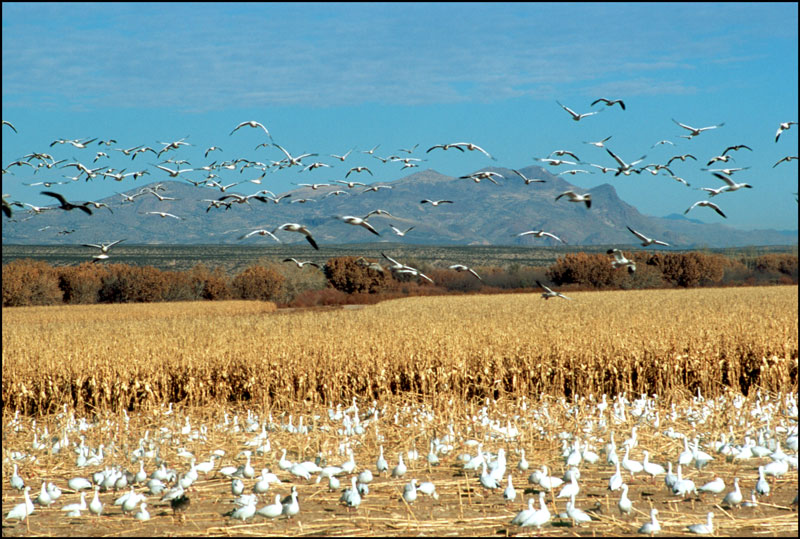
[(445, 147), (472, 147), (341, 157), (295, 227), (435, 202), (609, 102), (696, 131), (730, 184), (561, 153), (574, 197), (681, 157), (401, 232), (575, 116), (736, 148), (461, 267), (724, 158), (548, 293), (619, 262), (9, 124), (600, 143), (787, 159), (290, 160), (358, 169), (485, 175), (783, 127), (645, 240), (624, 168), (357, 221), (707, 204), (555, 162), (104, 247), (526, 179), (67, 205), (164, 214), (300, 264), (540, 234), (260, 232), (251, 123)]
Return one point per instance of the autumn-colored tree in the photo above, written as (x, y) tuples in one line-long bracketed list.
[(778, 263), (132, 284), (257, 282), (593, 270), (689, 269), (81, 283), (30, 282), (347, 275), (211, 285)]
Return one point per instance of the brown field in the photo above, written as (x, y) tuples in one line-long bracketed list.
[(430, 363)]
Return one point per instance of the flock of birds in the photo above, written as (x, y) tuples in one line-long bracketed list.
[(171, 166), (127, 470)]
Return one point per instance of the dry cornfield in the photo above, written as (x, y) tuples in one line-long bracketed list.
[(665, 342), (441, 370)]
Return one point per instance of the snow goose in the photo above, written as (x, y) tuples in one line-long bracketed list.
[(295, 227), (706, 528), (273, 510), (472, 147), (693, 132), (357, 221), (652, 526), (575, 116), (21, 511), (462, 267), (609, 102), (526, 179), (548, 293), (708, 204), (645, 240), (783, 127), (625, 505), (575, 197), (251, 123), (621, 261)]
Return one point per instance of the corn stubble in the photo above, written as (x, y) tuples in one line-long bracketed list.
[(667, 342)]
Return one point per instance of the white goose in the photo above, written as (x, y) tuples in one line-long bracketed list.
[(575, 116), (540, 234), (251, 123), (647, 241), (708, 204), (693, 132), (575, 197)]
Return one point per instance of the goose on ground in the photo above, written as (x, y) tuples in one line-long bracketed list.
[(706, 528)]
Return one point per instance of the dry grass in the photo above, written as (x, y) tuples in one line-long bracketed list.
[(667, 342)]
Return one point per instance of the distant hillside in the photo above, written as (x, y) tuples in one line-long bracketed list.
[(481, 214)]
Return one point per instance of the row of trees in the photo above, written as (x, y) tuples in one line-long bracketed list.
[(351, 280)]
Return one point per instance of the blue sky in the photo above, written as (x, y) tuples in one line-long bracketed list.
[(329, 77)]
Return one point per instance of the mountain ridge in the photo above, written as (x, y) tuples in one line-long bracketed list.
[(481, 214)]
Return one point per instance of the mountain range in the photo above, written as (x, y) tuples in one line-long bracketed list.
[(481, 214)]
